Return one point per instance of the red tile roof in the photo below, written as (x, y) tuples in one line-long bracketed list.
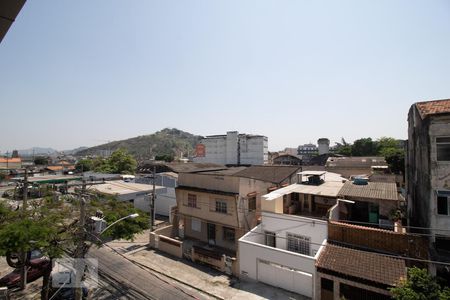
[(434, 107), (10, 160), (374, 267)]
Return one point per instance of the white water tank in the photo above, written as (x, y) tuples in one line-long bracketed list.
[(324, 145)]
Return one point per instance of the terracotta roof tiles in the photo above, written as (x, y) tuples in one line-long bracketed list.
[(374, 267), (434, 107)]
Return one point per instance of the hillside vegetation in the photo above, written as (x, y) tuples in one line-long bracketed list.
[(167, 142)]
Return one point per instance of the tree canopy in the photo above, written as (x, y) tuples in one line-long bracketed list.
[(420, 285), (387, 147), (120, 162)]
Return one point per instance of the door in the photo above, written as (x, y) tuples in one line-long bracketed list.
[(211, 234), (285, 277), (373, 213)]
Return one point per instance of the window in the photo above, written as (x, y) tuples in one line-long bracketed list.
[(442, 206), (228, 234), (443, 148), (221, 206), (299, 243), (196, 225), (192, 200), (252, 203), (271, 239), (327, 284), (442, 203)]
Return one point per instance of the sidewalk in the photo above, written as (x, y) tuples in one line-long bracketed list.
[(213, 283)]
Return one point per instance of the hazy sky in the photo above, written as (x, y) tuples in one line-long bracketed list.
[(78, 73)]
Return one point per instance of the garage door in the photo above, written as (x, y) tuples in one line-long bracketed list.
[(285, 277)]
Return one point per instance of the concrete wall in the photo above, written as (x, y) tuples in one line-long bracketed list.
[(440, 173), (210, 182), (162, 240), (253, 251), (282, 224)]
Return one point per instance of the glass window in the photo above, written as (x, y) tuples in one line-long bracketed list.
[(442, 205), (299, 243), (443, 148), (192, 200), (271, 239), (252, 203), (228, 234), (196, 225), (221, 206)]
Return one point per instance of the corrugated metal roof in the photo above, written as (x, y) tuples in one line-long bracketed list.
[(373, 190)]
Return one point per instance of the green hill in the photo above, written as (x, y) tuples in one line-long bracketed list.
[(169, 141)]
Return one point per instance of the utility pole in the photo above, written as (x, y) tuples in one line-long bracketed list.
[(152, 201), (23, 270), (79, 253)]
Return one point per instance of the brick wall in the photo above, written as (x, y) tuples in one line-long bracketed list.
[(378, 239)]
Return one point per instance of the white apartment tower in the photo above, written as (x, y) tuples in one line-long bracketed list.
[(233, 149)]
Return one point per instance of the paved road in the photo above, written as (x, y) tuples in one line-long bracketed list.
[(121, 279)]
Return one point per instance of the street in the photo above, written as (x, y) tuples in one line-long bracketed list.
[(119, 278)]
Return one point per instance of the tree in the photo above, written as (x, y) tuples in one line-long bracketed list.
[(41, 160), (396, 160), (164, 157), (122, 162), (419, 285), (364, 147), (84, 165), (50, 226)]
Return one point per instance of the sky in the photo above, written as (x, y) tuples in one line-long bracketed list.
[(80, 73)]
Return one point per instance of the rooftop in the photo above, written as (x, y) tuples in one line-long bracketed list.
[(229, 171), (52, 179), (274, 174), (374, 267), (355, 162), (434, 107), (10, 160), (122, 188), (373, 190), (330, 188)]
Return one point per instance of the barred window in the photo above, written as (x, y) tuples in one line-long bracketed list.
[(192, 200), (299, 243), (221, 206)]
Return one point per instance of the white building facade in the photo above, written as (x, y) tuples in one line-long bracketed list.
[(282, 252), (233, 149)]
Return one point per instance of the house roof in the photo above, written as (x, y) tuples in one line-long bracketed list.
[(434, 107), (356, 162), (10, 10), (10, 160), (123, 188), (370, 266), (330, 188), (373, 190), (274, 174), (229, 171)]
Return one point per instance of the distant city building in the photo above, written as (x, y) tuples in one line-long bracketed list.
[(10, 163), (427, 176), (233, 149), (307, 151), (15, 154), (324, 146)]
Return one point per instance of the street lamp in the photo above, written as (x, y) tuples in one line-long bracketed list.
[(132, 216)]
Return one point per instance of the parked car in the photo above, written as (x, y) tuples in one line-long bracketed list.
[(35, 270)]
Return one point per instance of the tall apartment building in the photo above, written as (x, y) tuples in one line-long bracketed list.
[(233, 149), (428, 176)]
